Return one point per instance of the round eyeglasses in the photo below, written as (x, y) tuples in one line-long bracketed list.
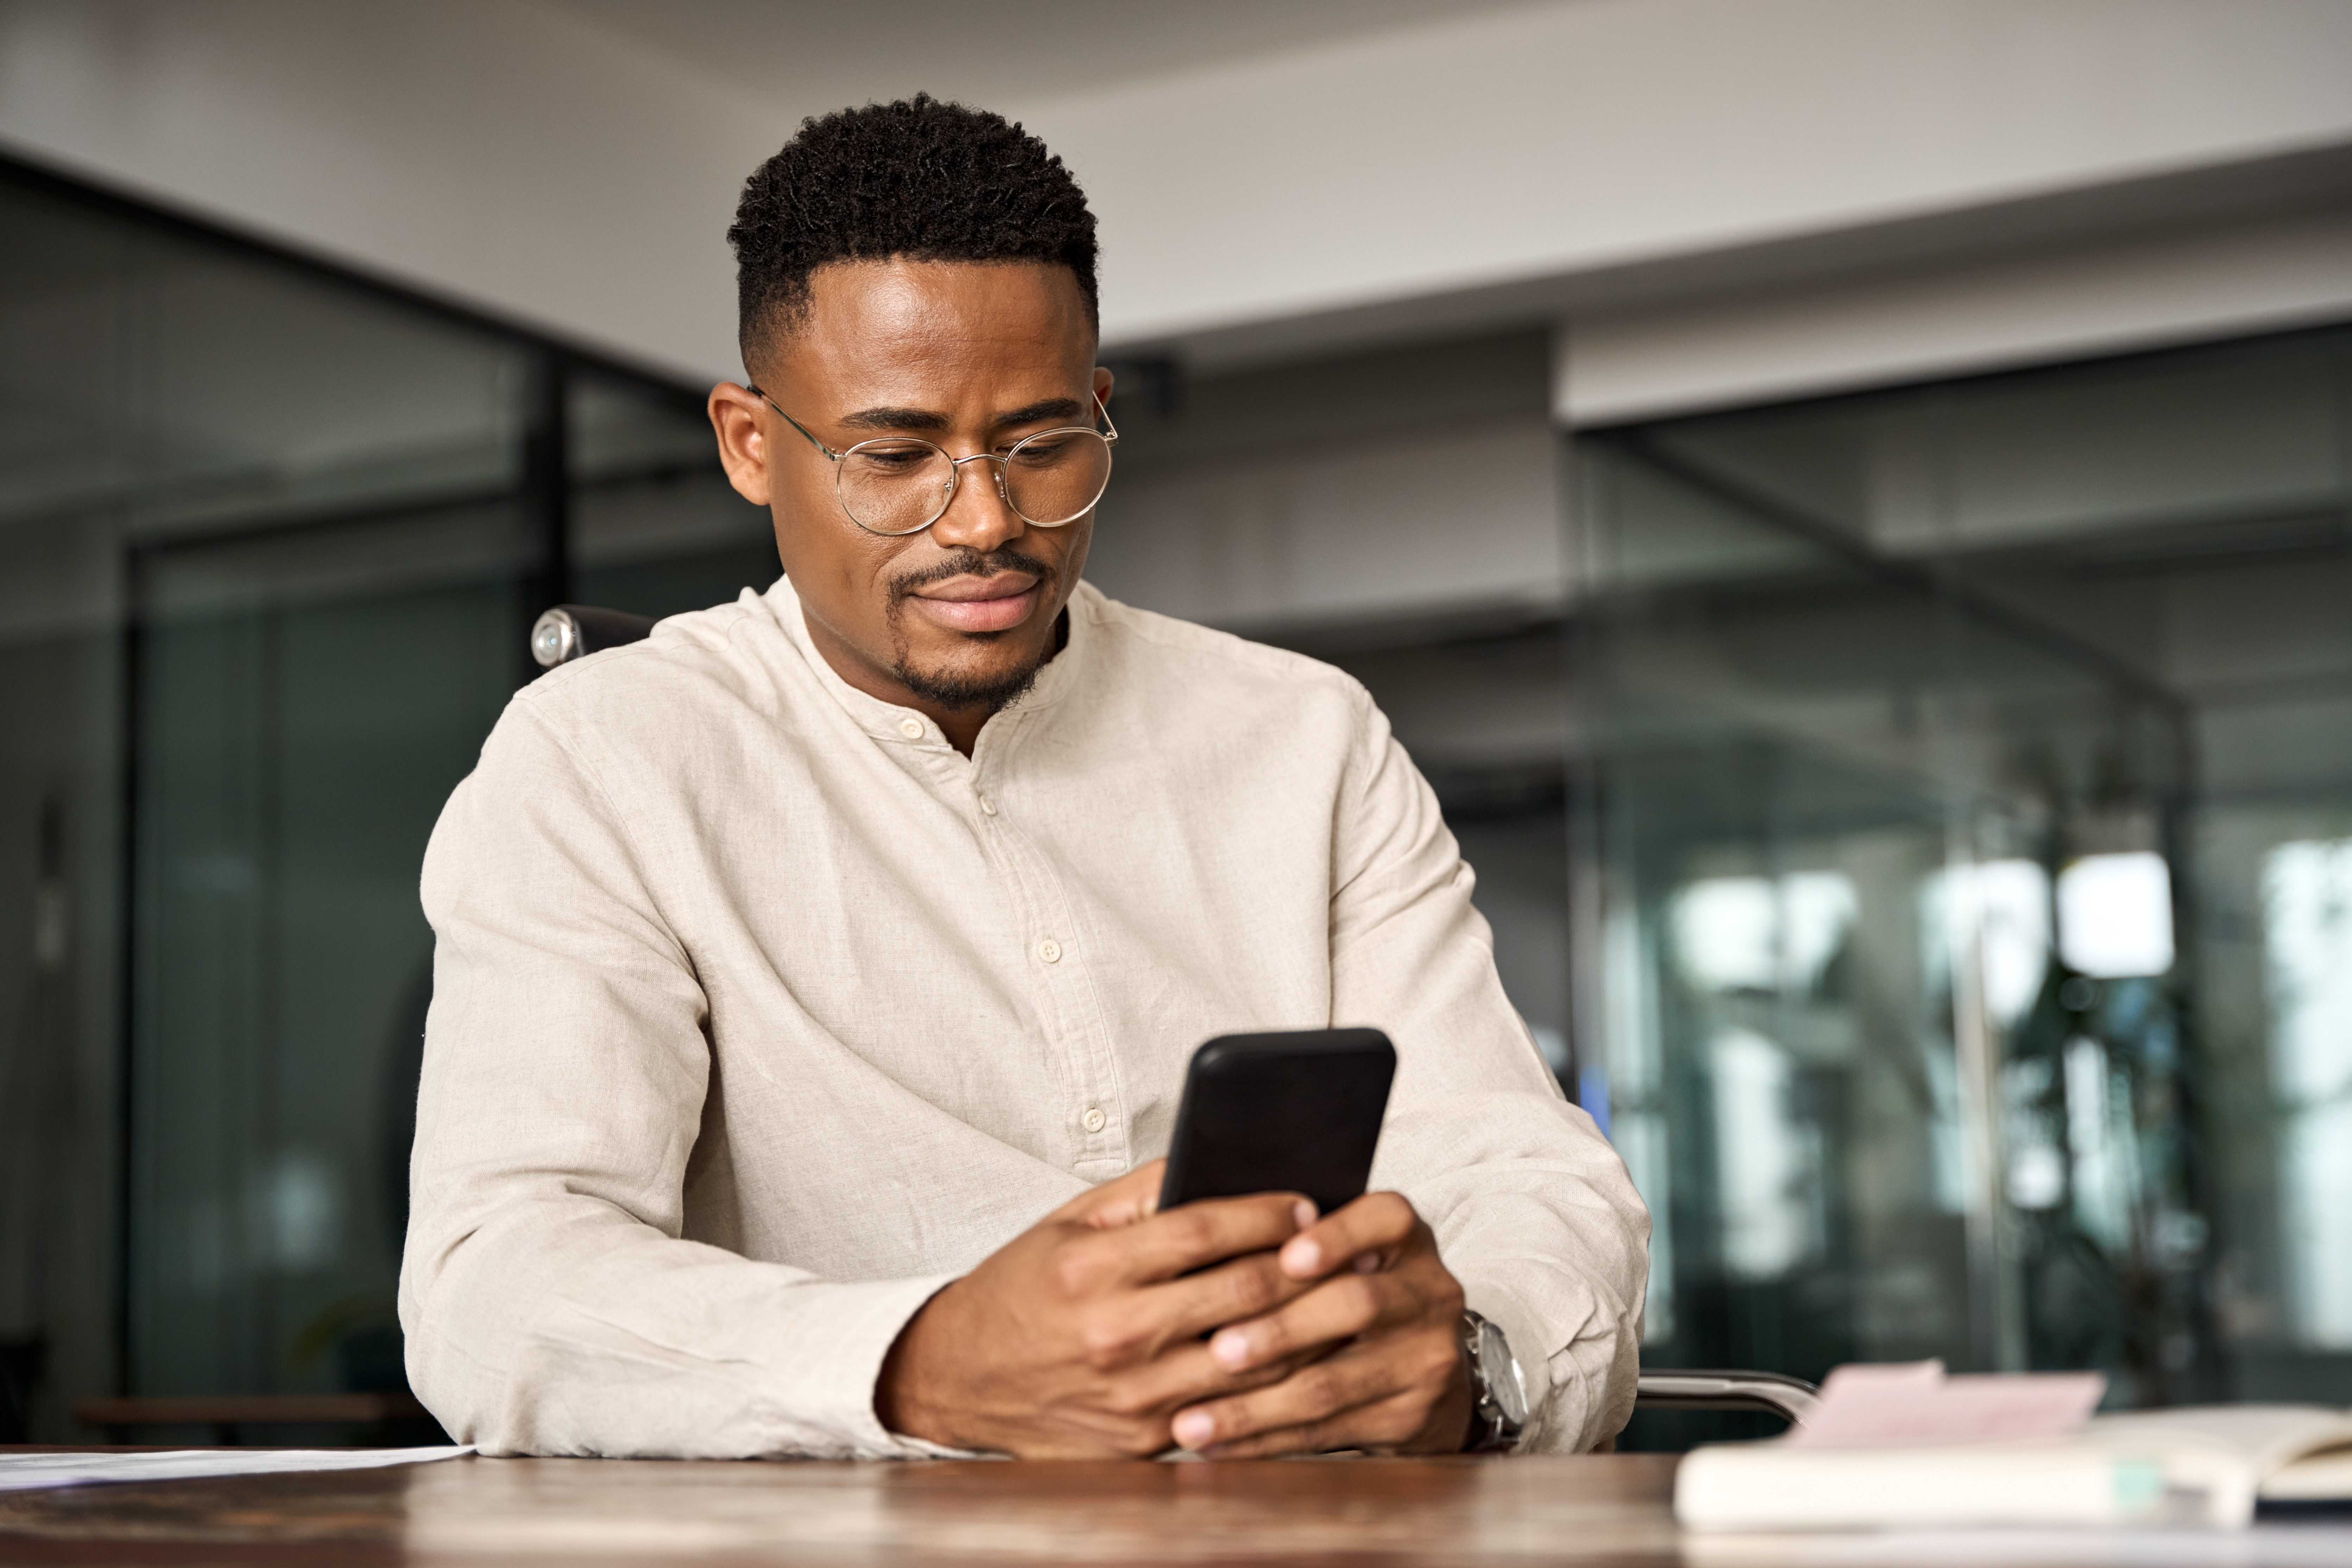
[(897, 485)]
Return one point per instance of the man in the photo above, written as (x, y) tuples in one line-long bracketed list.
[(815, 979)]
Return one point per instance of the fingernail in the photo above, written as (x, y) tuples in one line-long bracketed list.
[(1367, 1263), (1304, 1213), (1302, 1257), (1194, 1428), (1230, 1349)]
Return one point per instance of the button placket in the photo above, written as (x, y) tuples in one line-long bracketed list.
[(1062, 973), (1069, 1007)]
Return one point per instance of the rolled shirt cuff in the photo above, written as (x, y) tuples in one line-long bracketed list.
[(1501, 1305)]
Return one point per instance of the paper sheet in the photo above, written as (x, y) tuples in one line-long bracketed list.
[(21, 1472), (1864, 1406)]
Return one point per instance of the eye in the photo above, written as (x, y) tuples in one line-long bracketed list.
[(1038, 451), (896, 457)]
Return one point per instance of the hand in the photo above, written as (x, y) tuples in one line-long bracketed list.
[(1376, 1345), (1081, 1337)]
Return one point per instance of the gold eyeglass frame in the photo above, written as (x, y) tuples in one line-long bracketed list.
[(1110, 438)]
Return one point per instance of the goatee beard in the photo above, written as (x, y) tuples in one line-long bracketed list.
[(960, 693)]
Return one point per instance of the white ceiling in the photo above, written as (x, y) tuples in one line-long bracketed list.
[(807, 57)]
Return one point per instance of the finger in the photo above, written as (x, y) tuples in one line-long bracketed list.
[(1378, 1223), (1122, 1200), (1199, 1234), (1151, 1340), (1185, 1376), (1237, 1291), (1313, 1394), (1381, 1425), (1333, 1310)]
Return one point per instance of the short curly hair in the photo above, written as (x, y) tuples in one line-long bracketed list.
[(917, 178)]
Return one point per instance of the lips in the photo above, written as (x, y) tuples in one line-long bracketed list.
[(991, 604)]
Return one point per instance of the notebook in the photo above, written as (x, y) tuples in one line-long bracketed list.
[(2013, 1450)]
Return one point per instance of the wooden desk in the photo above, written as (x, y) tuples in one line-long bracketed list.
[(1370, 1513)]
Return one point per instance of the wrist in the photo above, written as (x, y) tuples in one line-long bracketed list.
[(1498, 1412), (1466, 1397), (903, 1381)]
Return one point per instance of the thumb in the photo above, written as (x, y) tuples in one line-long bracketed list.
[(1121, 1201)]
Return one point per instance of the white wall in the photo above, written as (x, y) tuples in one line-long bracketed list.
[(580, 178), (484, 152), (1341, 532), (1568, 138), (1853, 332)]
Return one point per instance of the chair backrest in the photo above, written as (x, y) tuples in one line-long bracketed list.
[(568, 631)]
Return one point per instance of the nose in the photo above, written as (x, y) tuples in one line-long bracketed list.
[(978, 516)]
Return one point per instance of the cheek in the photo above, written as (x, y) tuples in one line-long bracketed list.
[(804, 497), (820, 549), (1074, 554)]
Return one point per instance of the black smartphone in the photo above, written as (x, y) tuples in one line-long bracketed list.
[(1293, 1113)]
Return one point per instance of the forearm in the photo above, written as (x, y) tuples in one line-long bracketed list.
[(1535, 1215), (561, 1326), (1579, 1370), (1533, 1210)]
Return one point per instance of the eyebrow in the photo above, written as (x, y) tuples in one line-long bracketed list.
[(888, 419), (1044, 408), (896, 419)]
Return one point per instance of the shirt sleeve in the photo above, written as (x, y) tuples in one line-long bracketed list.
[(550, 1302), (1533, 1210)]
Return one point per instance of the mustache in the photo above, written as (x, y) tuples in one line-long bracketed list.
[(966, 562)]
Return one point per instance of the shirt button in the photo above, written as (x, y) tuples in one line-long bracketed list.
[(1050, 951), (1095, 1118), (987, 806), (912, 728)]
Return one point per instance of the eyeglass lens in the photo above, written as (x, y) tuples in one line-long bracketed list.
[(897, 486)]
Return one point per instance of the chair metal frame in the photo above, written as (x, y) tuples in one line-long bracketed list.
[(1791, 1398)]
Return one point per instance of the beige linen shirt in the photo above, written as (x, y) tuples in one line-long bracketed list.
[(760, 1013)]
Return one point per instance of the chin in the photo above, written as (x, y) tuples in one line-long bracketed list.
[(965, 683)]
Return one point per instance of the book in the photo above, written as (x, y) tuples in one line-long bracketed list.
[(2208, 1465)]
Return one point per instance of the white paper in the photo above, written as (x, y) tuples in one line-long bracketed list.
[(1868, 1406), (22, 1472)]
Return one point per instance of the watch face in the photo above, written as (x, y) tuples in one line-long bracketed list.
[(1502, 1373)]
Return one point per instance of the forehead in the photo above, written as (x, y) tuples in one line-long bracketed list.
[(914, 325)]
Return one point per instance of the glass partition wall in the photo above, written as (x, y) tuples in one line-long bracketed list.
[(1964, 774), (270, 538)]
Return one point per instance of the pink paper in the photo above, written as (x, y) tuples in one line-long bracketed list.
[(1867, 1405)]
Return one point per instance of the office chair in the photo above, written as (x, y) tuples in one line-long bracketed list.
[(569, 631)]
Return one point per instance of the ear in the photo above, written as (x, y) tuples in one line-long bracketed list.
[(1102, 382), (740, 417)]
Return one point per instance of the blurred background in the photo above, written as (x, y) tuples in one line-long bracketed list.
[(1849, 501)]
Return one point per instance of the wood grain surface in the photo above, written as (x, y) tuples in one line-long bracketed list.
[(1363, 1513), (1598, 1509)]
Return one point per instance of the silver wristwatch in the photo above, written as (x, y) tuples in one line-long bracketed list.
[(1500, 1411)]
